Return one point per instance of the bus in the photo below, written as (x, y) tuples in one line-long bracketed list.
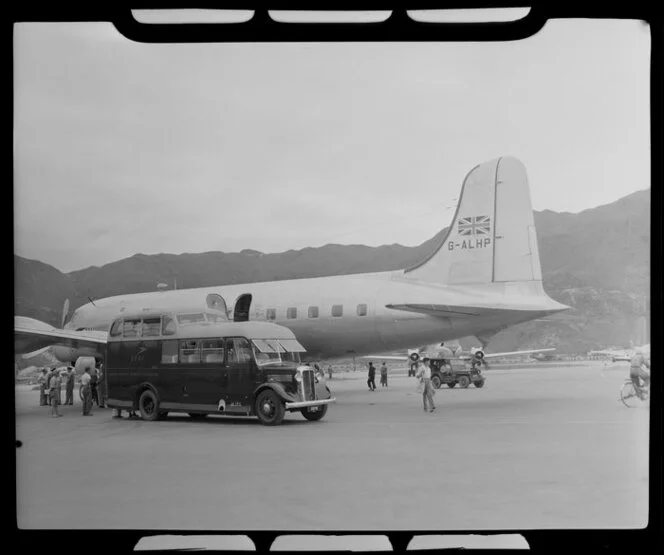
[(200, 363)]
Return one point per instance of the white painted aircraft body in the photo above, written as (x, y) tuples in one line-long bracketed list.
[(484, 276)]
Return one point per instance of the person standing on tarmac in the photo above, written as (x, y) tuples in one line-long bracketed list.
[(371, 382), (86, 392), (55, 387), (424, 374), (101, 386), (69, 386), (43, 392), (383, 375)]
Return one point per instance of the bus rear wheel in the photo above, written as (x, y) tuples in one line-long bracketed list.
[(148, 404), (314, 415), (269, 408)]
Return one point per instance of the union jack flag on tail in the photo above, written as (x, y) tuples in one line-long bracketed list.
[(478, 225)]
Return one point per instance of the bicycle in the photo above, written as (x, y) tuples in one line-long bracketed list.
[(629, 396)]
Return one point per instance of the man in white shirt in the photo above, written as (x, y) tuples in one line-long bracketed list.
[(86, 392), (424, 374)]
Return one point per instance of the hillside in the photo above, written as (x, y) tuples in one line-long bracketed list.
[(596, 261)]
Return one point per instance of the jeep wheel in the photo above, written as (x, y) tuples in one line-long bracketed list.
[(435, 382), (464, 382), (269, 408)]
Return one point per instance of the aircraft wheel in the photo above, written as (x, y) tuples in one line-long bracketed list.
[(479, 383), (148, 404), (451, 384), (314, 416), (435, 382), (464, 382), (270, 408)]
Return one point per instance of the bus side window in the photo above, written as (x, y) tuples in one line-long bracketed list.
[(169, 352), (151, 327), (212, 350), (189, 352), (116, 328), (239, 350), (167, 326), (131, 328)]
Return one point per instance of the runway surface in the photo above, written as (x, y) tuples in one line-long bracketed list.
[(537, 448)]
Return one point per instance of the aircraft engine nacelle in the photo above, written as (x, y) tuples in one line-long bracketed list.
[(70, 354), (414, 356), (478, 354)]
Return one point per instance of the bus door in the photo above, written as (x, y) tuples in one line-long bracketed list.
[(205, 376), (241, 375)]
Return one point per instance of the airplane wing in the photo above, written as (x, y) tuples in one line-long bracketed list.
[(383, 357), (493, 355), (32, 335)]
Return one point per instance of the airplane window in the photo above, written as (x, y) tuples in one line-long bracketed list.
[(151, 327), (271, 314), (116, 328), (313, 312), (131, 328), (291, 313), (169, 352), (361, 310), (337, 310)]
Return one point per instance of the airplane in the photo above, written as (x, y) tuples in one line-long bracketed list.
[(484, 276), (623, 355)]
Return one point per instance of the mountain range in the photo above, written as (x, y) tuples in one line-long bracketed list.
[(596, 261)]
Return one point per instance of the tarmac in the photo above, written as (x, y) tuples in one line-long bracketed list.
[(544, 447)]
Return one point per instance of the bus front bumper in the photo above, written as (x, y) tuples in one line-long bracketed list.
[(304, 404)]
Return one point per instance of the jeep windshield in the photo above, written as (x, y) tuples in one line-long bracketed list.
[(282, 352)]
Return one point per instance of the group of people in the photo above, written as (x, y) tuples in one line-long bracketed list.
[(92, 388), (423, 375), (371, 382)]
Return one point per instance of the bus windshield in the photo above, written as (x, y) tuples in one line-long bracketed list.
[(272, 351)]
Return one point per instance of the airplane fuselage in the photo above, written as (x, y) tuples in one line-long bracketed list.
[(343, 315)]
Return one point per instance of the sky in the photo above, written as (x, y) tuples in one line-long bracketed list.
[(123, 148)]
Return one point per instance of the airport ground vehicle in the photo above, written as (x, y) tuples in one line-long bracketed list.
[(198, 363), (442, 372), (629, 397)]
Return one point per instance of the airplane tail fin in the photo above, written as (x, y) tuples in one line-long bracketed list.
[(492, 237)]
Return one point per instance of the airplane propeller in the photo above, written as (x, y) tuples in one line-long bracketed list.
[(65, 313)]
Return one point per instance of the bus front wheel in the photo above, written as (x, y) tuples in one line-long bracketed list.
[(312, 415), (148, 404), (269, 408)]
